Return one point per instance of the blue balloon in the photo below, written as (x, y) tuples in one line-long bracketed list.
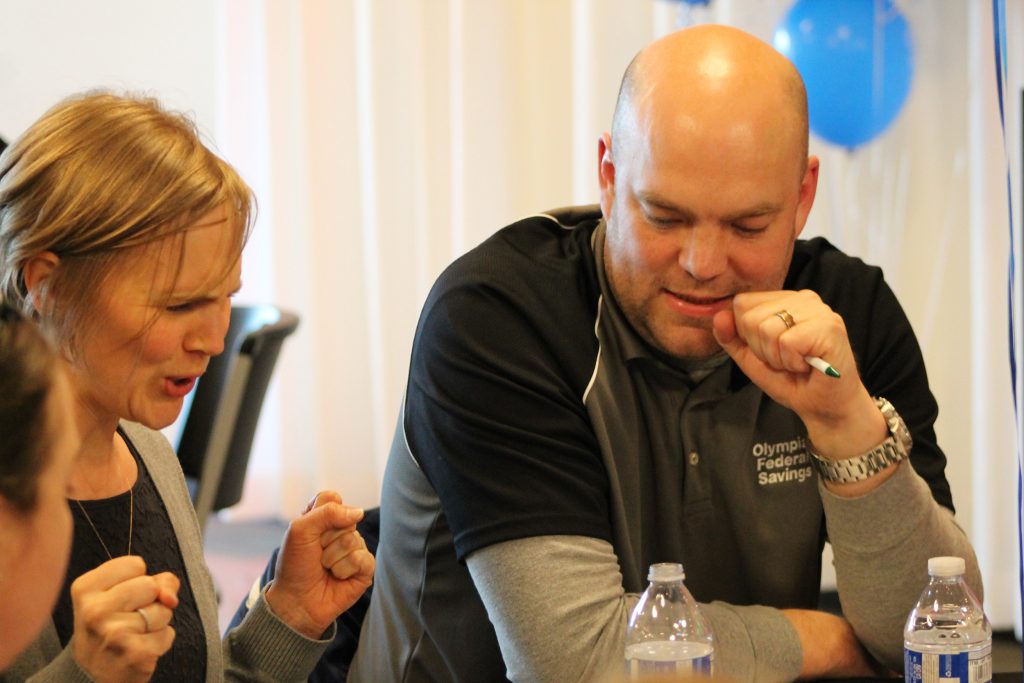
[(856, 60)]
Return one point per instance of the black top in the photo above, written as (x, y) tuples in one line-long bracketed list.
[(153, 540)]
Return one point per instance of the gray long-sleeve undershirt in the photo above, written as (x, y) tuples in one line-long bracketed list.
[(573, 629)]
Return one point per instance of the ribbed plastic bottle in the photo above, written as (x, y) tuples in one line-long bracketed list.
[(947, 636), (666, 631)]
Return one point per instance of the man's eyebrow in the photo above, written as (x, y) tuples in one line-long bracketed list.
[(654, 201), (763, 209)]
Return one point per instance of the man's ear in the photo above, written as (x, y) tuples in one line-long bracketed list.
[(808, 190), (36, 273), (606, 173)]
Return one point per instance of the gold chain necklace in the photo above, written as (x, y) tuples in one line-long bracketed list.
[(131, 521)]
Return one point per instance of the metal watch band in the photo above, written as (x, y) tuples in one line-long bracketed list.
[(861, 467)]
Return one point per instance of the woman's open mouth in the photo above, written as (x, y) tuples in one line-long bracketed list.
[(176, 387)]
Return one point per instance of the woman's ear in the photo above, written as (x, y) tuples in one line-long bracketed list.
[(36, 274)]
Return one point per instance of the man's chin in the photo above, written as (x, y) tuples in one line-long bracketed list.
[(690, 344)]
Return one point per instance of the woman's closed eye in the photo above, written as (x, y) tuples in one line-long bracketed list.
[(182, 307), (190, 305)]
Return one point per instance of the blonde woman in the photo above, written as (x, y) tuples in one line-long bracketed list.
[(122, 235), (36, 454)]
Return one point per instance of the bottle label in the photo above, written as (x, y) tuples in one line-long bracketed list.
[(955, 667)]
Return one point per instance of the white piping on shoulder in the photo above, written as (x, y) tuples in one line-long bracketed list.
[(550, 218), (405, 437), (254, 592), (597, 360)]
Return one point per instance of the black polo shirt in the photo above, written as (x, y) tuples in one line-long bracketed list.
[(533, 409)]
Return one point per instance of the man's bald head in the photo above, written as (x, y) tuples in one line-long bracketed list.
[(705, 182), (709, 73)]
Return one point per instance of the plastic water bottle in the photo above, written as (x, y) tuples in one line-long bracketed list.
[(947, 637), (666, 631)]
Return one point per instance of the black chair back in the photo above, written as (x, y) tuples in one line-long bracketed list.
[(218, 432)]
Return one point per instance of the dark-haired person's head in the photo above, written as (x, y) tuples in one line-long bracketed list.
[(37, 448)]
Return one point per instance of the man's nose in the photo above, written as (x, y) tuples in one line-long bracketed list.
[(702, 253)]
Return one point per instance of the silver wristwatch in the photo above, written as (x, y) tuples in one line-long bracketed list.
[(895, 448)]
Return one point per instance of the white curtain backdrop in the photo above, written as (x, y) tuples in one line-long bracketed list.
[(386, 137)]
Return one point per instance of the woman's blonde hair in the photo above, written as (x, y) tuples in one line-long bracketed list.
[(97, 174)]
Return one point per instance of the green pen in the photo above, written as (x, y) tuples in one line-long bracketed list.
[(821, 366)]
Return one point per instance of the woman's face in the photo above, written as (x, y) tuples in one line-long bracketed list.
[(154, 332), (37, 544)]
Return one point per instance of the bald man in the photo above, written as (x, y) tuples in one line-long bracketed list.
[(595, 390)]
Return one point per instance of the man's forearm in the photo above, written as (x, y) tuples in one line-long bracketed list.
[(559, 610), (881, 543), (557, 606)]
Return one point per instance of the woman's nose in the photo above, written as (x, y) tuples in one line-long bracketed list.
[(207, 336)]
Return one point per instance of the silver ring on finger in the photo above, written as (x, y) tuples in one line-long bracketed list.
[(145, 618)]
